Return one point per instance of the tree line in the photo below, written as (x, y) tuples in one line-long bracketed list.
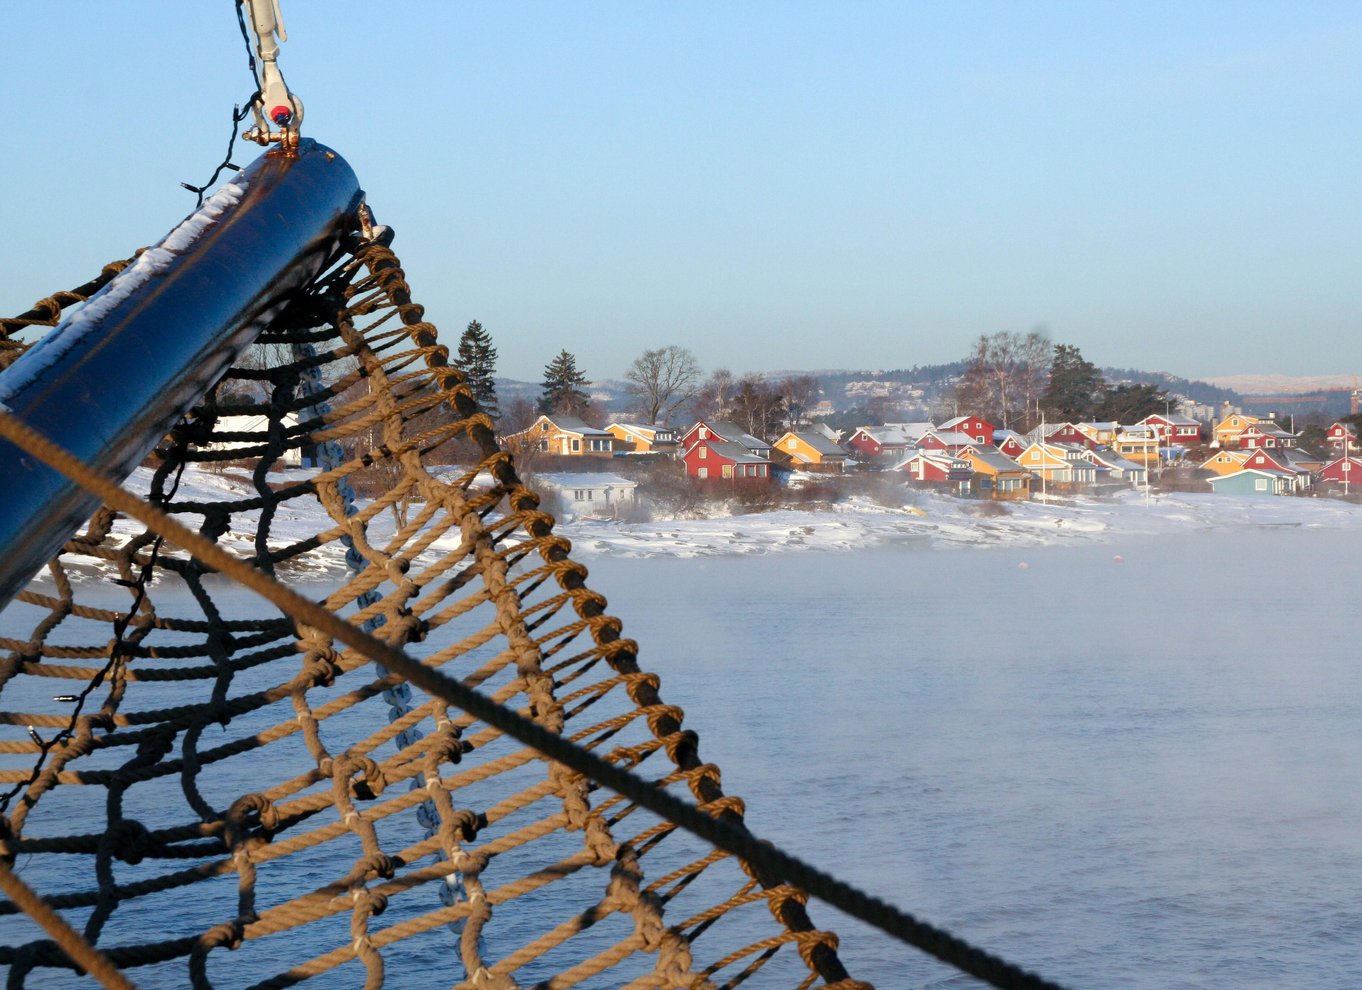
[(1013, 379), (1017, 379), (665, 383)]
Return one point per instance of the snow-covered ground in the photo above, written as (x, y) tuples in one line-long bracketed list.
[(932, 521), (945, 522)]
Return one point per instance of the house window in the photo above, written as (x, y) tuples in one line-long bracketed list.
[(576, 445), (703, 473), (704, 452), (704, 433), (579, 495), (544, 446), (728, 471), (1035, 455), (1260, 484), (791, 443), (544, 427), (1347, 466)]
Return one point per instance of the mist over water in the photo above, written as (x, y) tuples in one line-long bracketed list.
[(1143, 772)]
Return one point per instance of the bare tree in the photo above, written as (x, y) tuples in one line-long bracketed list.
[(711, 399), (663, 380), (518, 415), (1034, 354), (798, 392), (756, 406), (1005, 376)]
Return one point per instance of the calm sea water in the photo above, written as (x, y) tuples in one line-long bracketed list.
[(1144, 772)]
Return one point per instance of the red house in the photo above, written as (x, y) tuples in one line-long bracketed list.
[(1279, 459), (978, 429), (1265, 435), (1173, 428), (1343, 470), (719, 460), (1342, 435), (931, 468), (1068, 433), (945, 441), (891, 440), (725, 432), (1010, 442)]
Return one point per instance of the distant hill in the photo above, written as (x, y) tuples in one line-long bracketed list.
[(1270, 384), (1203, 392)]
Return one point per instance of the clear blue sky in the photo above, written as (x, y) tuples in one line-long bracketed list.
[(772, 184)]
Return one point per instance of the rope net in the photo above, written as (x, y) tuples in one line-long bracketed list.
[(214, 794)]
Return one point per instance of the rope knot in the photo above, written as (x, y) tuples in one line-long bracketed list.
[(372, 781), (322, 666), (382, 865), (371, 902), (236, 822), (227, 935), (129, 840)]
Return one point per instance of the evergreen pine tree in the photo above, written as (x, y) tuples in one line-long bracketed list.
[(562, 387), (477, 360), (1076, 386)]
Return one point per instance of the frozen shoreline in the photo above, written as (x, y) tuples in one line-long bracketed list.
[(942, 522), (933, 522)]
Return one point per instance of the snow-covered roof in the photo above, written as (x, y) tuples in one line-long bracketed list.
[(938, 457), (572, 424), (995, 459), (952, 438), (820, 443), (735, 452), (1174, 419), (734, 433), (951, 424), (1114, 460), (585, 479)]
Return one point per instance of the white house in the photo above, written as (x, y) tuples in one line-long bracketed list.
[(598, 494), (259, 426)]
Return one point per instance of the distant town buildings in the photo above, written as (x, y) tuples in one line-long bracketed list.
[(968, 455)]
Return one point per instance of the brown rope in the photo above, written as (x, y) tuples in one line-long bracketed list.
[(79, 951)]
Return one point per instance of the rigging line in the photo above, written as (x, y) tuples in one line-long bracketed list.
[(239, 113), (764, 857)]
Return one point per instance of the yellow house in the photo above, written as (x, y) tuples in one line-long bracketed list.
[(1058, 464), (1227, 431), (1102, 434), (996, 475), (1139, 444), (633, 438), (1226, 461), (566, 436), (809, 452)]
